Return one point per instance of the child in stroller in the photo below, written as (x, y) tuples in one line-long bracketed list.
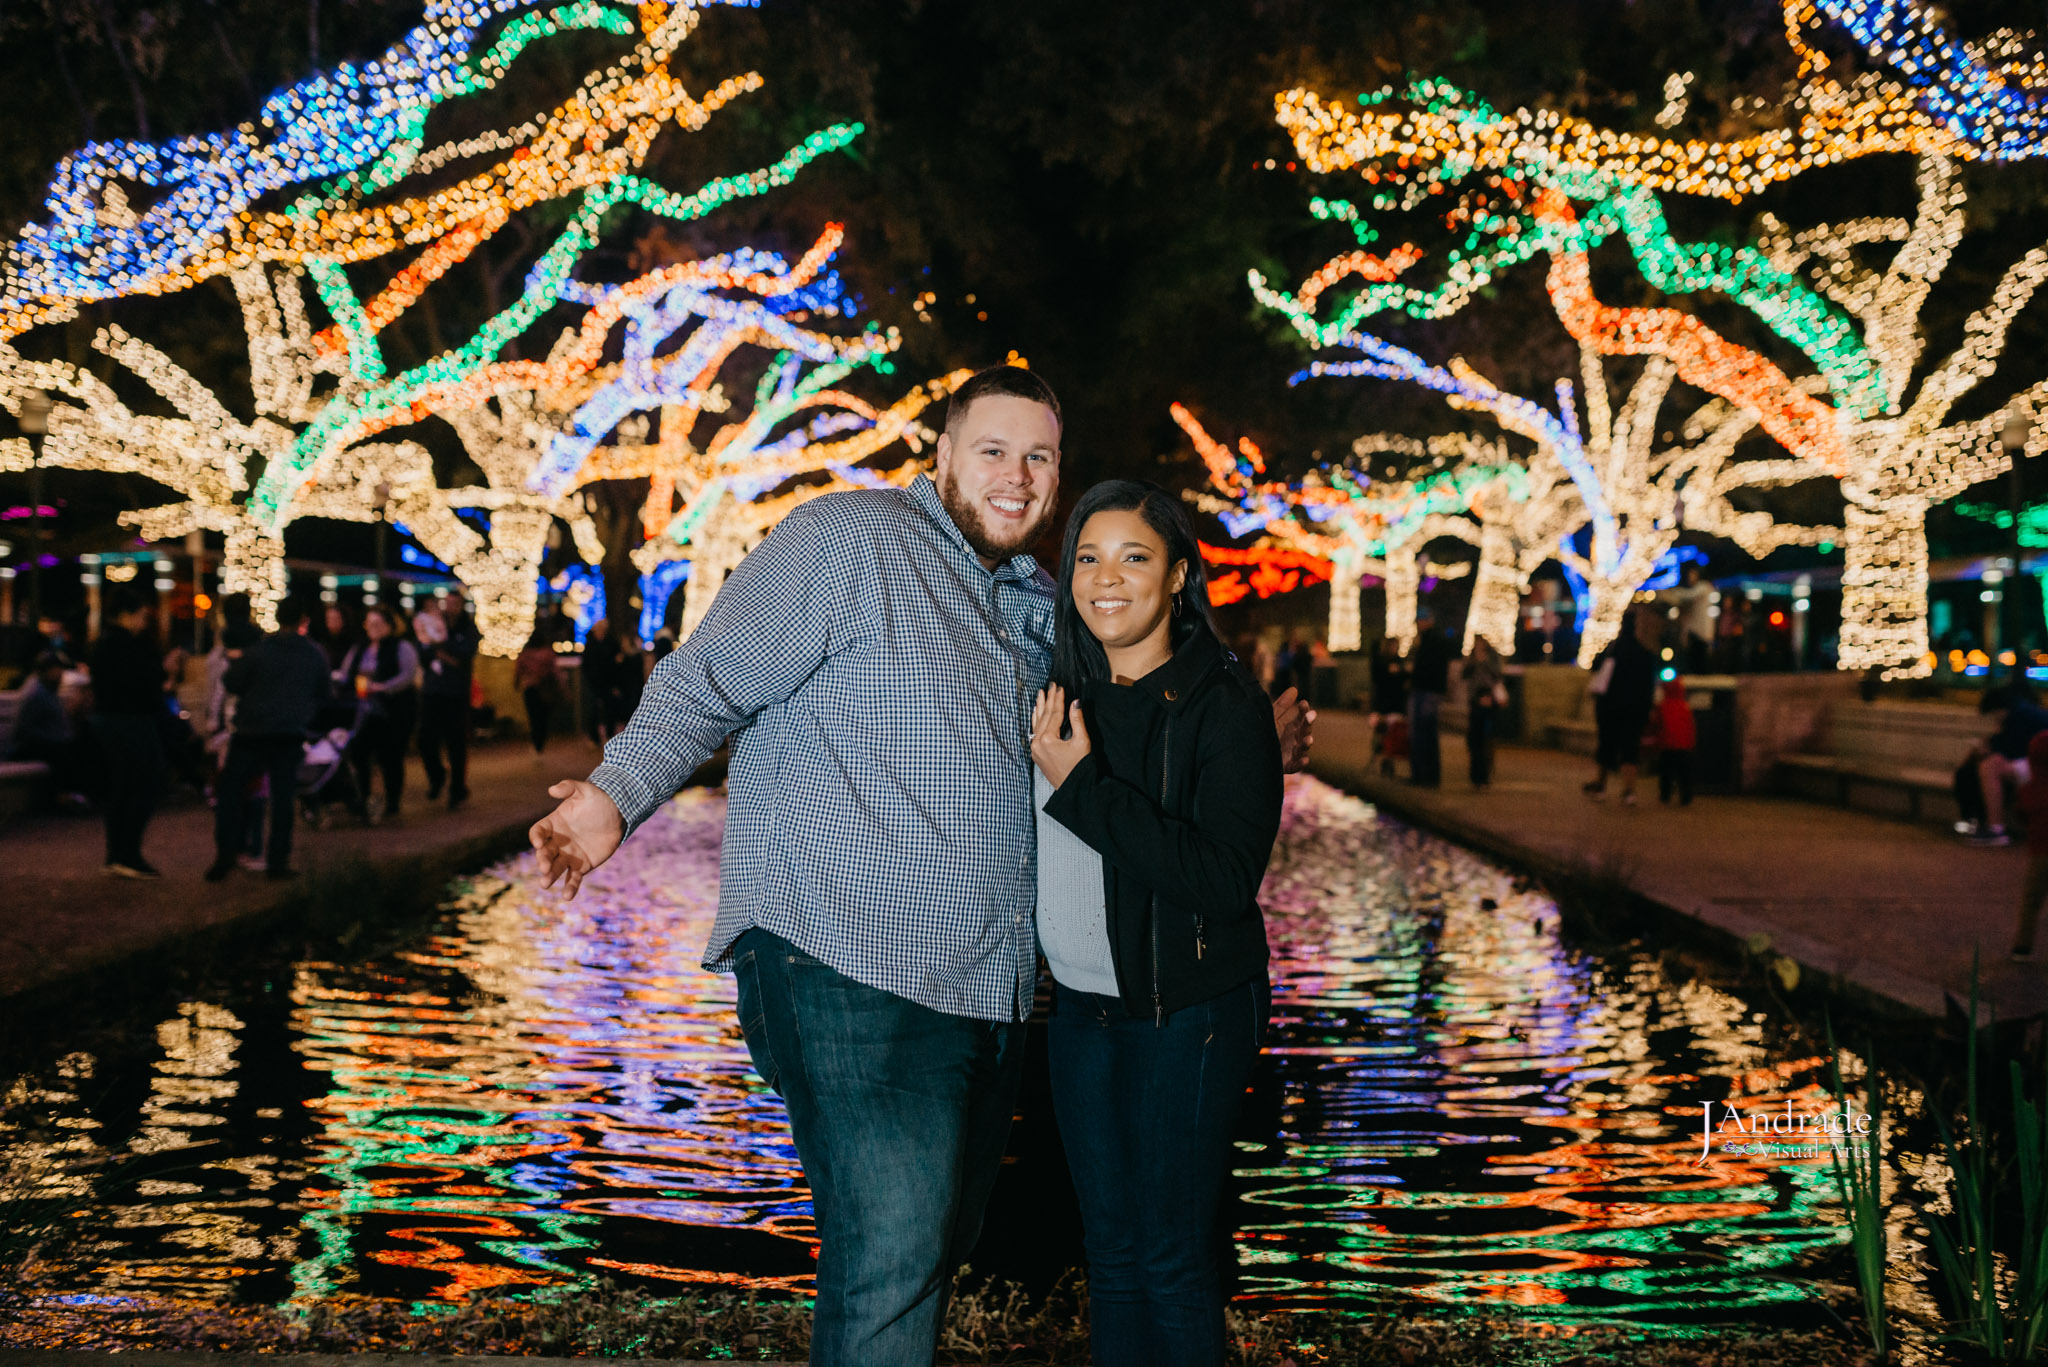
[(325, 775)]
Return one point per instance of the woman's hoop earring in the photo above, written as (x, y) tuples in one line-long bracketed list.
[(1176, 603)]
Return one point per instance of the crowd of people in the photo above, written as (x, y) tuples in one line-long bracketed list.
[(1637, 703), (321, 714)]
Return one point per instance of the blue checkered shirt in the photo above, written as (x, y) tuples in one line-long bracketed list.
[(877, 681)]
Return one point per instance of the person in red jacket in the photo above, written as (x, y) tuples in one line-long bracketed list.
[(1675, 740), (2033, 800)]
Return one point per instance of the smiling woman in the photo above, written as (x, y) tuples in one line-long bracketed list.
[(1159, 801)]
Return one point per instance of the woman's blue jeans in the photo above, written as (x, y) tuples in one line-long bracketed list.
[(900, 1114), (1146, 1114)]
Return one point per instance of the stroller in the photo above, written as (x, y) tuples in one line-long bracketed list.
[(325, 775)]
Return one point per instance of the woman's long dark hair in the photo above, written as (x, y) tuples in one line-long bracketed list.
[(1076, 655)]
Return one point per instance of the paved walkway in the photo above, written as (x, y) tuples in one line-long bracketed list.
[(1881, 907), (60, 916)]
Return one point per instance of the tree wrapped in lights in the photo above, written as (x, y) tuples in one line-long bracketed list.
[(315, 448), (1941, 99), (363, 128), (1355, 526), (1605, 472)]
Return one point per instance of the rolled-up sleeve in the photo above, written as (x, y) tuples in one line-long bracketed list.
[(770, 629)]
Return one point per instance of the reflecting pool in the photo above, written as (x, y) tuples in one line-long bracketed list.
[(1460, 1109)]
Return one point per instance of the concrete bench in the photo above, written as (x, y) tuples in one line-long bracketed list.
[(1900, 750), (1847, 774)]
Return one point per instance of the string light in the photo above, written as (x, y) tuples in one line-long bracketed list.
[(1540, 182), (95, 247), (1951, 102)]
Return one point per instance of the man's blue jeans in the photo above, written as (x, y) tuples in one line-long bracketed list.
[(1146, 1114), (900, 1114)]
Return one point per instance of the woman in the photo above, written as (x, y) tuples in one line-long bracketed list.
[(1486, 695), (338, 635), (384, 671), (1159, 793), (1624, 680)]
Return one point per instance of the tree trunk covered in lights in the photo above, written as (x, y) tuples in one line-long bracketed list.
[(1346, 631), (714, 553), (1884, 588), (1496, 592), (1603, 623), (503, 581), (254, 564), (1404, 588)]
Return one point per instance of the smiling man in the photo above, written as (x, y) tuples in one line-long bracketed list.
[(875, 661)]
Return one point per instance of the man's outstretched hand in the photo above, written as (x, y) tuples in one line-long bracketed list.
[(577, 836), (1294, 720)]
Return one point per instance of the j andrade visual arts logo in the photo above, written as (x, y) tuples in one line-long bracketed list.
[(1789, 1133)]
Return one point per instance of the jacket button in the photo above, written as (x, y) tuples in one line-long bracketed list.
[(1172, 696)]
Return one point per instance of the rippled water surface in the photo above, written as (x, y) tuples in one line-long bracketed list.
[(1460, 1109)]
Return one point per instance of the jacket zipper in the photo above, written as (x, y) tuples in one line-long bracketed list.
[(1165, 763)]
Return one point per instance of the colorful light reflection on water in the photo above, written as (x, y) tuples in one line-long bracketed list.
[(1461, 1110)]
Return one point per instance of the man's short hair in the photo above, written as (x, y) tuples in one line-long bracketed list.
[(290, 613), (123, 601), (1013, 381), (1998, 698)]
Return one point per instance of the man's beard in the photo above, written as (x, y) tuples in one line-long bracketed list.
[(968, 518)]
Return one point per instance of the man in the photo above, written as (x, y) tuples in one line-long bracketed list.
[(875, 661), (280, 682), (444, 702), (128, 712), (1429, 679), (2001, 757)]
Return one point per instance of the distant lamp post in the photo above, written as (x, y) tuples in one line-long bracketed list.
[(2013, 436), (380, 501), (34, 420)]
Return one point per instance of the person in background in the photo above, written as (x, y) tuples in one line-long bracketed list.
[(2002, 756), (44, 733), (280, 682), (127, 721), (1625, 677), (1388, 704), (339, 634), (1297, 666), (1676, 737), (1429, 679), (1486, 697), (234, 631), (540, 685), (603, 664), (53, 639), (1694, 598), (2033, 801), (384, 670), (445, 697)]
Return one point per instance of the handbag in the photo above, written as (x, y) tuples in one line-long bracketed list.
[(1602, 677)]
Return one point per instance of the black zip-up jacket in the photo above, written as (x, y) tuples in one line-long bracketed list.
[(1180, 795)]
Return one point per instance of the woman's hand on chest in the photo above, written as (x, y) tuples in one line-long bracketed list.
[(1056, 757)]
